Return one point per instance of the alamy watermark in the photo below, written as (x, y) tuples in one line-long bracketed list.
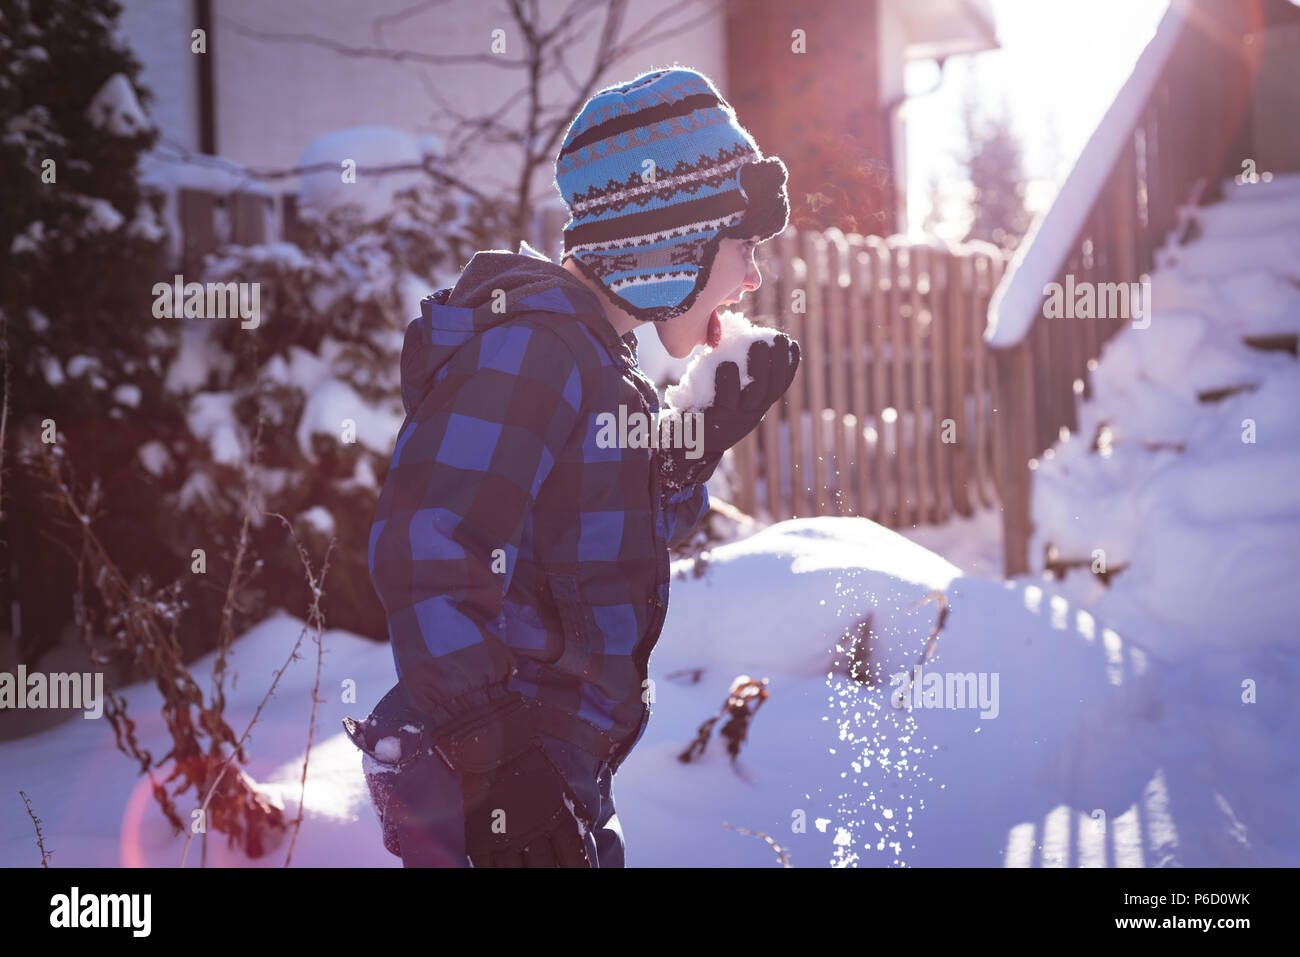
[(946, 689), (212, 300), (1098, 300), (130, 911), (639, 430), (56, 690)]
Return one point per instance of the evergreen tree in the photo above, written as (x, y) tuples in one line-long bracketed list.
[(80, 245), (994, 163)]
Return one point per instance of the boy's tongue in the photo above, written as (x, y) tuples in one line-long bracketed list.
[(715, 329)]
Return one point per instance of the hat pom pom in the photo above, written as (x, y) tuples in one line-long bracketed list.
[(768, 205)]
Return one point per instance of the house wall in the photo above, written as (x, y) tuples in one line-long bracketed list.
[(274, 95), (787, 99), (158, 32)]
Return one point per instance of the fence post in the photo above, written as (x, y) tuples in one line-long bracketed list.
[(770, 313), (195, 210), (1013, 437), (796, 276), (838, 303), (813, 246), (248, 213)]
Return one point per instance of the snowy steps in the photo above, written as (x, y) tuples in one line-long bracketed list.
[(1222, 345)]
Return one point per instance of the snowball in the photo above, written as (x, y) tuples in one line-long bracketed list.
[(696, 390), (388, 749)]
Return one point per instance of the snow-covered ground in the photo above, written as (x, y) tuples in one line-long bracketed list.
[(1080, 750), (875, 784), (1148, 722)]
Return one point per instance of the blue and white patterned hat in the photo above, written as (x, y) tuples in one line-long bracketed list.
[(655, 173)]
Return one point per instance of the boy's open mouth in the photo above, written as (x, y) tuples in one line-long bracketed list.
[(715, 329)]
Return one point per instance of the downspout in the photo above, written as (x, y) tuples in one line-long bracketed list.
[(206, 82), (888, 109)]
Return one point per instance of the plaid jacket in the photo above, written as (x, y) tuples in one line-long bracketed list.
[(510, 551)]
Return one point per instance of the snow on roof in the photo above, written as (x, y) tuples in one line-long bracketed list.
[(169, 171)]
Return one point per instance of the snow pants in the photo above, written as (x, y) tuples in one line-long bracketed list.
[(418, 798)]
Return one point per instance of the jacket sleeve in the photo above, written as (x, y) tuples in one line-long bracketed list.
[(685, 496), (465, 471), (684, 510)]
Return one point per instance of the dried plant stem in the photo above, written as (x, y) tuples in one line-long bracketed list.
[(275, 680), (145, 622), (40, 840), (315, 618), (782, 854)]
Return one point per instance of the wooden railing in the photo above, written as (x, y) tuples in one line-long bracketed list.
[(890, 416), (1173, 134)]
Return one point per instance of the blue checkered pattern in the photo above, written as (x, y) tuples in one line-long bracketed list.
[(510, 551)]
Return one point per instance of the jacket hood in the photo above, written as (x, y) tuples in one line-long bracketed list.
[(493, 289)]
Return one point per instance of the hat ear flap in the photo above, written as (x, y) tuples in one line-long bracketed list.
[(767, 209)]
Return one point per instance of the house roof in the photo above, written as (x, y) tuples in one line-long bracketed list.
[(942, 28)]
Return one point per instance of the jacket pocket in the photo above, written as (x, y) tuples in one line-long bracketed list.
[(578, 622)]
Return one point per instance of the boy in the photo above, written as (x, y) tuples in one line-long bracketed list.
[(523, 566)]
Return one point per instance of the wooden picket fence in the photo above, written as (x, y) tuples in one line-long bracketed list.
[(208, 220), (891, 414)]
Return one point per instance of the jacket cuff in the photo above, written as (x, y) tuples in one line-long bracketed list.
[(678, 472)]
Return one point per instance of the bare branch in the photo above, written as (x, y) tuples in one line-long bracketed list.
[(249, 175), (372, 53), (316, 618), (642, 39), (782, 854), (576, 11), (40, 839), (378, 23), (608, 35)]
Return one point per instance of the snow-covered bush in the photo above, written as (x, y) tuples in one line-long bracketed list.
[(322, 368)]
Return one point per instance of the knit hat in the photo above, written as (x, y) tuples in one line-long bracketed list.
[(656, 173)]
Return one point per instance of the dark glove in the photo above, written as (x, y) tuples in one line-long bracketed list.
[(735, 411), (519, 810)]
